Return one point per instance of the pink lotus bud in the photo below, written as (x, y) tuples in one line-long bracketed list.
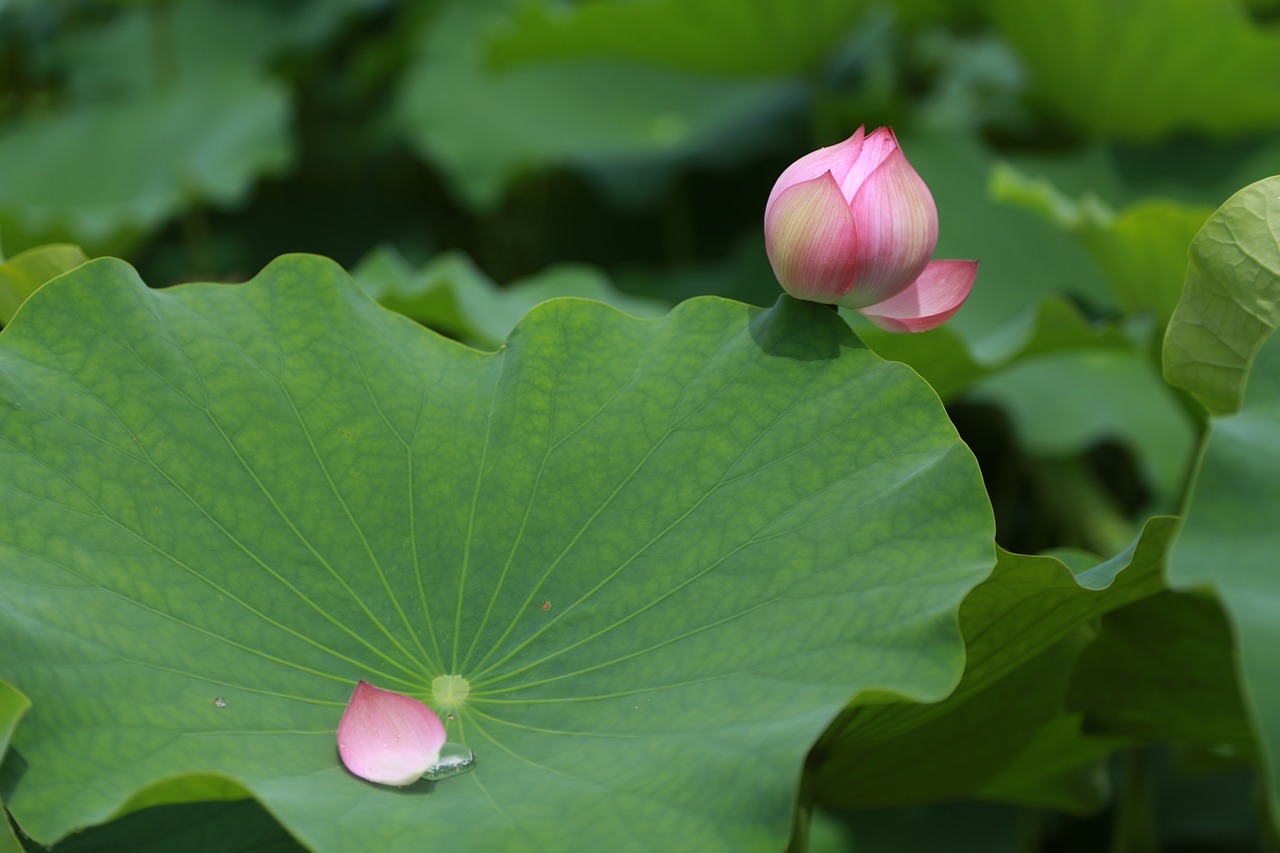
[(387, 737), (853, 224)]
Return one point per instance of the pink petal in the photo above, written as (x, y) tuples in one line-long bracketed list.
[(929, 301), (875, 150), (837, 159), (809, 236), (896, 222), (387, 737)]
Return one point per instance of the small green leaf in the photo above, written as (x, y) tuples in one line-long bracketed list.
[(662, 553), (1231, 303)]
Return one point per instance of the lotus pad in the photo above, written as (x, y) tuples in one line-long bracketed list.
[(662, 553)]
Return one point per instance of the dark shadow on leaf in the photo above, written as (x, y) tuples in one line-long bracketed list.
[(804, 331)]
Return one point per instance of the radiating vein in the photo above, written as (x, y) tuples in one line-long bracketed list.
[(475, 501)]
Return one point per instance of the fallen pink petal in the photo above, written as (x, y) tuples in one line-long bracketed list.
[(854, 224), (387, 737)]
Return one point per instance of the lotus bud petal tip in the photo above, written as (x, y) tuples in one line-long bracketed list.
[(854, 224), (387, 737)]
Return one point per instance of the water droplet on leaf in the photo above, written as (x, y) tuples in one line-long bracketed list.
[(454, 759)]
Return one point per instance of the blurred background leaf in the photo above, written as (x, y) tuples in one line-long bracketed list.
[(25, 271)]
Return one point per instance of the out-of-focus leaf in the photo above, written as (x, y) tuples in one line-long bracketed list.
[(1061, 769), (979, 81), (664, 553), (135, 52), (1205, 801), (483, 127), (873, 754), (24, 272), (1142, 250), (951, 367), (1142, 68), (1163, 669), (1230, 543), (743, 274), (1062, 403), (1231, 302), (1023, 260), (773, 38), (148, 160), (12, 706), (451, 294)]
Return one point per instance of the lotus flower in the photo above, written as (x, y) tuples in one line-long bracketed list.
[(387, 737), (854, 225)]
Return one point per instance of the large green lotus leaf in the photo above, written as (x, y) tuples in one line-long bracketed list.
[(1141, 68), (1062, 403), (484, 127), (1231, 302), (451, 294), (25, 271), (1163, 669), (663, 553), (13, 705), (744, 37), (1142, 250), (1230, 543), (150, 158), (1015, 625)]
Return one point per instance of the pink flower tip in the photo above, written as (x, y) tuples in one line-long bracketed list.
[(855, 224), (387, 737)]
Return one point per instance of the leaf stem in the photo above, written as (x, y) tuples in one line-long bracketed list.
[(1133, 828)]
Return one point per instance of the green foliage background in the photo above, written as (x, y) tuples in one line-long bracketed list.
[(1114, 372)]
